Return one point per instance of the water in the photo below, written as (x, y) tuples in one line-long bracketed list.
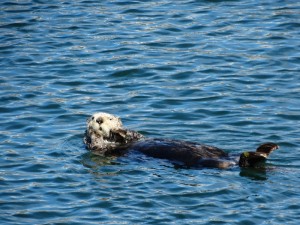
[(219, 72)]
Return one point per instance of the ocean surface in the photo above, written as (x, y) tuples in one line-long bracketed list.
[(224, 73)]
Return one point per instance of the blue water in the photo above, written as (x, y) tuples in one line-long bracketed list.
[(225, 73)]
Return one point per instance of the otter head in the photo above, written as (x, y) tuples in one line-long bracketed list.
[(104, 133), (253, 159), (103, 124)]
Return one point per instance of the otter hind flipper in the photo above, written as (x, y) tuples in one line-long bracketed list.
[(254, 159), (267, 148)]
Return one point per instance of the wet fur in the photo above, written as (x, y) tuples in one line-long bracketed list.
[(105, 135)]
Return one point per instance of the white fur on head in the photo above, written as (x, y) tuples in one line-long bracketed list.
[(103, 123)]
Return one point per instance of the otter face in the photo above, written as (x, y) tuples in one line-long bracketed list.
[(103, 123)]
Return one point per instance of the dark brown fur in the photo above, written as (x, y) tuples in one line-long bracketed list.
[(118, 141)]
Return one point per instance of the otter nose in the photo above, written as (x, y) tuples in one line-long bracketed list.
[(99, 120)]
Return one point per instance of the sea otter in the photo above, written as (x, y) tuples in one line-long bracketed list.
[(106, 135)]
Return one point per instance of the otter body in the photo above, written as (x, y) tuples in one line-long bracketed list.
[(106, 136), (190, 154)]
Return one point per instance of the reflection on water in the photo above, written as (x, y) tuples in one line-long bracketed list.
[(223, 73), (99, 163), (92, 160), (254, 173)]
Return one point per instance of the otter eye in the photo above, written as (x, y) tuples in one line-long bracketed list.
[(93, 118), (110, 119)]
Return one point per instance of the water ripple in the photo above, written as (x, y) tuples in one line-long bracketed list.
[(219, 72)]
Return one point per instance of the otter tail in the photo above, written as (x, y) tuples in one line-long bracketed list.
[(253, 159)]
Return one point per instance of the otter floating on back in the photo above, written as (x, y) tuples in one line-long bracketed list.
[(106, 135)]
